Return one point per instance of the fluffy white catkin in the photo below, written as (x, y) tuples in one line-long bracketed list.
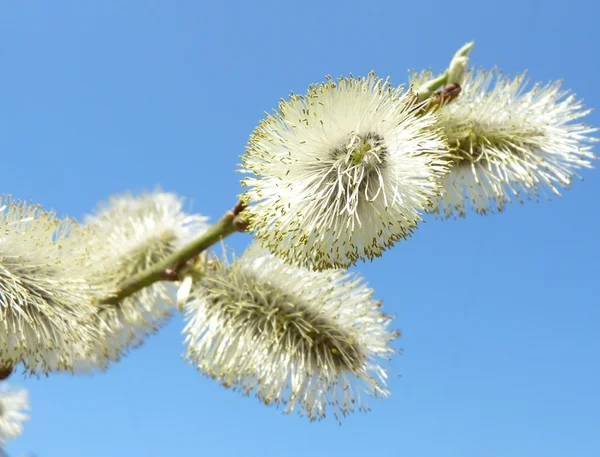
[(341, 173), (312, 341), (46, 304), (509, 141)]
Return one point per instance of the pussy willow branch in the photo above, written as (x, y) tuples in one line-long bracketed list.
[(168, 268), (448, 88)]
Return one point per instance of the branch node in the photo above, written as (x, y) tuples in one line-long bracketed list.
[(169, 274), (169, 268), (239, 223)]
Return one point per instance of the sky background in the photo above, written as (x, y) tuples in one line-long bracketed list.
[(499, 314)]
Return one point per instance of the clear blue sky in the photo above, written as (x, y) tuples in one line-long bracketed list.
[(499, 314)]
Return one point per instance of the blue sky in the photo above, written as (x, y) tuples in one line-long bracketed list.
[(499, 314)]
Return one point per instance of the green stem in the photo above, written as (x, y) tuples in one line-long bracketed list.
[(222, 229), (427, 89)]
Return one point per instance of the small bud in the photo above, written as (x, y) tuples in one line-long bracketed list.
[(238, 208), (5, 372), (169, 274), (448, 93)]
